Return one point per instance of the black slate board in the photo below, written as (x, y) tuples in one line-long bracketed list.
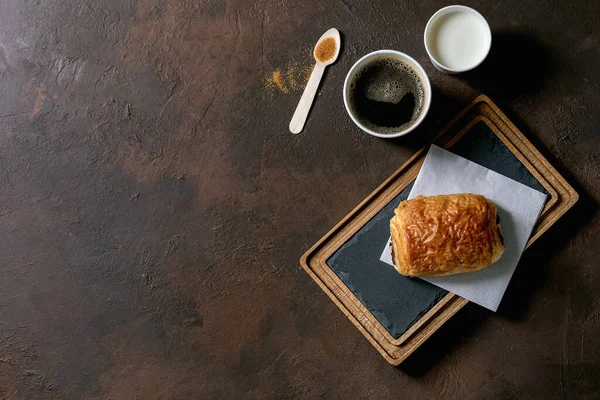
[(396, 301)]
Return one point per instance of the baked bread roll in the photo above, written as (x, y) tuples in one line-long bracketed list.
[(445, 235)]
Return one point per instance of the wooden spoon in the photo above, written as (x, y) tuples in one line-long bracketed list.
[(310, 90)]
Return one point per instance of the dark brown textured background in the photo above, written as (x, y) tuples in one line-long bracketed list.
[(154, 206)]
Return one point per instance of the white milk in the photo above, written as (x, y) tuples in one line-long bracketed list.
[(459, 39)]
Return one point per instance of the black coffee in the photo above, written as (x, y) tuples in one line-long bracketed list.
[(386, 95)]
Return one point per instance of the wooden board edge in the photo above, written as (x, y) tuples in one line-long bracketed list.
[(405, 351), (536, 153), (425, 319), (346, 312)]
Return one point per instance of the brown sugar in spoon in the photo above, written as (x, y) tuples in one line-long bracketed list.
[(326, 52)]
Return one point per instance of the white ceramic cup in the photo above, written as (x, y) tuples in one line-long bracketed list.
[(457, 39), (416, 67)]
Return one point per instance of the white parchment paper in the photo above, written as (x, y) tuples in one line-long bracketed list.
[(518, 207)]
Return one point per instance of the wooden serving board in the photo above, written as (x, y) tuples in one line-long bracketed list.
[(393, 346)]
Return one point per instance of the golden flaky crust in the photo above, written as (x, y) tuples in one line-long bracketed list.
[(445, 235)]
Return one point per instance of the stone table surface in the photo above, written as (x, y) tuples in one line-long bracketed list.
[(154, 206)]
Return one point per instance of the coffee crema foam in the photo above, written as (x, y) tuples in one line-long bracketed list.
[(386, 95)]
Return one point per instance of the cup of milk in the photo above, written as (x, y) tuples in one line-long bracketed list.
[(457, 39)]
